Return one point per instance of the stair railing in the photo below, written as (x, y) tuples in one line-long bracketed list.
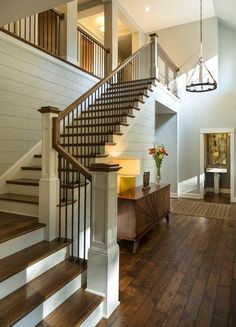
[(41, 30), (83, 128)]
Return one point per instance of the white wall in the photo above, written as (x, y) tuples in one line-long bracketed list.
[(30, 79), (215, 109), (167, 133), (181, 43)]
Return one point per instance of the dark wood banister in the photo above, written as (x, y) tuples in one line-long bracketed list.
[(100, 83), (64, 113)]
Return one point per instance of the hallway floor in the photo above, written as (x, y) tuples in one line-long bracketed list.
[(184, 274), (217, 198)]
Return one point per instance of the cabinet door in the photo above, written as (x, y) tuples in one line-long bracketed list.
[(146, 212), (163, 199)]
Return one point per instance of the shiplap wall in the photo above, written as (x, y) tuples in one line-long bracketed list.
[(138, 139), (30, 79)]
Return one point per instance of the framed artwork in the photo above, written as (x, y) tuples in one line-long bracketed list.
[(217, 149)]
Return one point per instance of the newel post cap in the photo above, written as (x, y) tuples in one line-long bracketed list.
[(105, 167), (49, 109)]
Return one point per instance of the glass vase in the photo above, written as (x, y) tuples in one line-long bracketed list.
[(158, 175)]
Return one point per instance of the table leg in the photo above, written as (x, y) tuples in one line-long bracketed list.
[(167, 219), (135, 247)]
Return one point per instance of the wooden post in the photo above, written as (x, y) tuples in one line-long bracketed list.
[(103, 255), (154, 55), (49, 182)]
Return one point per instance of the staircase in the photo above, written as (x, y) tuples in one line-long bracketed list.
[(37, 277), (42, 283)]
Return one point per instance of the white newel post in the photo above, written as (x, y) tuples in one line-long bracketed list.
[(49, 182), (154, 55), (103, 255)]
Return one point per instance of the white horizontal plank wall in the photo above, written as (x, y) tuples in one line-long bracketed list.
[(138, 139), (30, 79)]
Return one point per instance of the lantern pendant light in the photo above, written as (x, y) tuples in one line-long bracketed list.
[(201, 79)]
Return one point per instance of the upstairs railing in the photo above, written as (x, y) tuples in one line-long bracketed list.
[(41, 30), (167, 71), (91, 54)]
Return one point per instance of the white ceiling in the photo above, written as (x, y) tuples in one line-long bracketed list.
[(167, 13)]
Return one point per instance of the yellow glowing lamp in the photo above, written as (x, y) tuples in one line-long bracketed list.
[(127, 174)]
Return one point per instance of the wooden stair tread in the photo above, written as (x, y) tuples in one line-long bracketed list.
[(145, 87), (91, 134), (19, 261), (91, 155), (90, 111), (104, 116), (105, 101), (137, 81), (74, 311), (19, 198), (89, 144), (13, 225), (24, 181), (18, 304), (92, 125), (31, 168)]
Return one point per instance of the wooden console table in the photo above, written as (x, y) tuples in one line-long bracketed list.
[(140, 211)]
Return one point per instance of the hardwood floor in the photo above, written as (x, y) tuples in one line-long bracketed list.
[(184, 274), (217, 198)]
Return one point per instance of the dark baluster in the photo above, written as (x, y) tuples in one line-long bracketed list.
[(72, 211), (60, 195), (79, 206), (66, 184), (85, 214)]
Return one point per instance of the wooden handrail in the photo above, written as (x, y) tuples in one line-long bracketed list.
[(165, 56), (100, 83), (92, 38), (58, 13)]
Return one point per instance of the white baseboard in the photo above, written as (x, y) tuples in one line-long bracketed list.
[(174, 195), (191, 196), (222, 190)]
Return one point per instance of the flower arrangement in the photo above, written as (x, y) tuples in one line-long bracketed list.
[(158, 153)]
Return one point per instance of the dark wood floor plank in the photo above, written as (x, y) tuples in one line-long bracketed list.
[(179, 276)]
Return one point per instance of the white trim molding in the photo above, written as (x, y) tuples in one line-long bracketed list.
[(231, 133)]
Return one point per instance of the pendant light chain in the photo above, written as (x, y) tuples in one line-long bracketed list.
[(201, 52)]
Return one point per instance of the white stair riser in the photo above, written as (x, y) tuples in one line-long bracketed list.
[(126, 94), (87, 139), (44, 309), (106, 104), (13, 283), (27, 209), (31, 174), (108, 112), (87, 149), (129, 99), (93, 319), (105, 120), (23, 189), (94, 129), (21, 242)]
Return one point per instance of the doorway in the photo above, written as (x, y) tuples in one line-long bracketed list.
[(217, 164)]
